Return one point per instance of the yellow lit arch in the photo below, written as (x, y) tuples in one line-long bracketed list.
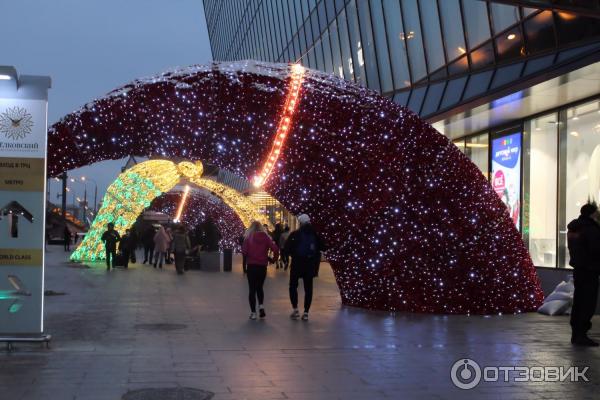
[(133, 191)]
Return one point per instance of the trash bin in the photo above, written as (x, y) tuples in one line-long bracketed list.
[(227, 259)]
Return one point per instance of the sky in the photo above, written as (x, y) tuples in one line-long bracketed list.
[(89, 47)]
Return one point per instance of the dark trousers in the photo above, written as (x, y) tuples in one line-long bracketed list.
[(126, 254), (148, 253), (244, 264), (67, 244), (584, 301), (179, 261), (256, 279), (307, 274), (110, 255)]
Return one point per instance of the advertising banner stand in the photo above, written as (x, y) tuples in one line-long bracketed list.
[(23, 136)]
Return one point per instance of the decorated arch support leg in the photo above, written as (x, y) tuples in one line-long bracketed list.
[(411, 223)]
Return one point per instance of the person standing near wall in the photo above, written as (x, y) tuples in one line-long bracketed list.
[(304, 246), (257, 244), (583, 238), (181, 245)]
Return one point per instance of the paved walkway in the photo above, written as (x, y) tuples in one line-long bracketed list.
[(105, 343)]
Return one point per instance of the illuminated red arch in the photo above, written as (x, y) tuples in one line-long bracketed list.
[(411, 223)]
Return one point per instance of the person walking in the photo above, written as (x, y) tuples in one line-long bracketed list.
[(125, 247), (168, 258), (67, 237), (257, 244), (304, 246), (110, 237), (161, 245), (583, 238), (284, 258), (148, 242), (181, 244)]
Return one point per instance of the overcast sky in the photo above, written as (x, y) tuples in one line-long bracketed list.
[(89, 47)]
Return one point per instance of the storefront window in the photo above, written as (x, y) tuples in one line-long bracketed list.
[(582, 175), (477, 149), (540, 165)]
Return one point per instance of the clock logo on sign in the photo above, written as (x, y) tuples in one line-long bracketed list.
[(16, 123)]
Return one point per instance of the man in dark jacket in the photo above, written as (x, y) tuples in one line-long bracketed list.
[(126, 246), (110, 237), (583, 238), (304, 246), (148, 242)]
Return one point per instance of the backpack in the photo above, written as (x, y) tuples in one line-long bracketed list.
[(307, 245)]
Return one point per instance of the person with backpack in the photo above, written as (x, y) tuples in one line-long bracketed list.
[(257, 244), (304, 246), (110, 237), (583, 239)]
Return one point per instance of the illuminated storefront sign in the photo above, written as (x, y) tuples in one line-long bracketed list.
[(506, 172)]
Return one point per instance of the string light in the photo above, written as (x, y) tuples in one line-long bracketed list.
[(182, 203), (410, 223), (289, 107)]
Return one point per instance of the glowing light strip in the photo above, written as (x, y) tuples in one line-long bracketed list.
[(289, 108), (186, 191)]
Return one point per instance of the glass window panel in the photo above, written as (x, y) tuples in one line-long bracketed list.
[(432, 101), (312, 61), (364, 18), (504, 16), (582, 165), (331, 13), (397, 46), (413, 37), (347, 62), (539, 32), (574, 28), (322, 16), (416, 99), (459, 66), (510, 44), (540, 174), (507, 74), (528, 11), (538, 64), (286, 23), (327, 52), (305, 10), (303, 44), (383, 58), (453, 29), (432, 34), (338, 68), (319, 55), (476, 19), (299, 15), (477, 149), (313, 4), (453, 92), (482, 57), (402, 97), (339, 5), (478, 84), (358, 59), (314, 22)]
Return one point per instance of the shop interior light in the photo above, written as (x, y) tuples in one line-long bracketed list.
[(575, 115), (511, 36), (574, 133), (4, 77), (537, 125)]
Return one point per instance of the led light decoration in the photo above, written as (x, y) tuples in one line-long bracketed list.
[(284, 125), (411, 223), (186, 191), (135, 189), (200, 207)]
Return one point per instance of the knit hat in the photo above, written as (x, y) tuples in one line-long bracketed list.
[(303, 219)]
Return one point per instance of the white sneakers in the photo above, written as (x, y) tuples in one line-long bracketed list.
[(253, 316), (305, 316), (295, 315)]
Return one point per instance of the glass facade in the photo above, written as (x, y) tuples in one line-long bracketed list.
[(403, 48), (560, 173), (440, 58)]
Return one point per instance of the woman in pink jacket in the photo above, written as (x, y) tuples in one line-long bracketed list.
[(257, 244)]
